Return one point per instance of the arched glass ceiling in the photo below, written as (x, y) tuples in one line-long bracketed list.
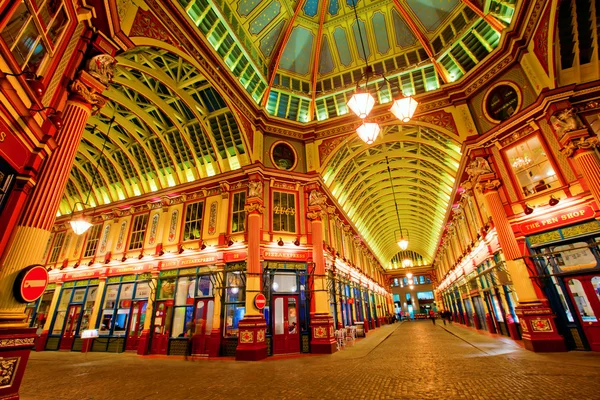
[(423, 163), (171, 127), (301, 59)]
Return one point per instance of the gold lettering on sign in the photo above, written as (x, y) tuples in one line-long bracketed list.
[(2, 136), (284, 210)]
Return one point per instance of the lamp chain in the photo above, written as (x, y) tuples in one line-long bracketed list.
[(100, 158), (387, 161)]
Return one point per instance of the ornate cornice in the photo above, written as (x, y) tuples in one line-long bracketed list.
[(580, 144), (254, 208)]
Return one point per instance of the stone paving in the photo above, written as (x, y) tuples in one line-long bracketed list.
[(412, 360)]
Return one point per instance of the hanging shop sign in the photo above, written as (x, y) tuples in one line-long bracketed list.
[(128, 269), (557, 219), (260, 301), (234, 256), (11, 148), (30, 283), (285, 255)]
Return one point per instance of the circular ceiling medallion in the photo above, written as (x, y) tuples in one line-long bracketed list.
[(284, 156), (502, 101)]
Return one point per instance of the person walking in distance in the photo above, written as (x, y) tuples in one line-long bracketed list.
[(443, 315), (189, 333), (432, 316)]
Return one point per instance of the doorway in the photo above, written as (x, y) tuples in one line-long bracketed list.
[(203, 318), (70, 331), (585, 293), (161, 328), (286, 335), (136, 324)]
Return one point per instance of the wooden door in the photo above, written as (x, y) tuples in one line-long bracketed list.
[(203, 319), (136, 324), (70, 328), (160, 329), (585, 293), (286, 328)]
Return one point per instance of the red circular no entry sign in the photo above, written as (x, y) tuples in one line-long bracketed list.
[(260, 301), (30, 283)]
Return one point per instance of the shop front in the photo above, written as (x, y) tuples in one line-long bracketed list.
[(567, 265), (185, 308)]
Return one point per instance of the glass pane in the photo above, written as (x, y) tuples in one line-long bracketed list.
[(583, 305), (142, 290), (65, 299), (27, 42), (209, 317), (72, 318), (58, 26), (181, 316), (233, 315), (596, 285), (78, 296), (121, 320), (204, 286), (107, 317), (531, 166), (574, 256), (278, 317), (10, 33), (59, 322), (292, 316), (167, 289), (91, 298), (285, 283), (126, 291), (184, 287)]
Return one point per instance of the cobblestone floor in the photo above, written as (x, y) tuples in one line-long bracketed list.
[(413, 360)]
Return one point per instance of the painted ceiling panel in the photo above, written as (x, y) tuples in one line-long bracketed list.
[(341, 43), (267, 44), (310, 7), (325, 60), (381, 34), (260, 22), (245, 7), (404, 36), (334, 7), (432, 13), (360, 30), (298, 52)]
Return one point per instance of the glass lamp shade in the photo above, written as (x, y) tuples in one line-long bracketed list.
[(404, 108), (403, 243), (407, 262), (361, 103), (368, 132), (80, 225), (409, 275)]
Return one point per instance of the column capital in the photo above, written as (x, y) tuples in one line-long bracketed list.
[(314, 215), (87, 89), (254, 208), (488, 186), (578, 140)]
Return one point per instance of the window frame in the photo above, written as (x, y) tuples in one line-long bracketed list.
[(53, 248), (295, 215), (513, 176), (89, 238), (132, 231), (185, 222), (241, 211)]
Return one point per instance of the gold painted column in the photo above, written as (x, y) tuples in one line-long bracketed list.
[(252, 345), (144, 343), (539, 331), (321, 322), (87, 343), (579, 145), (215, 334), (34, 229)]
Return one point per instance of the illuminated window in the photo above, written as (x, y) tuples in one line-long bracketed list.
[(193, 221), (138, 232), (59, 240), (238, 214), (34, 30), (284, 212), (92, 240), (531, 166)]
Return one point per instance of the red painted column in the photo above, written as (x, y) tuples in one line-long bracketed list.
[(30, 236), (535, 316), (589, 165), (321, 321), (252, 345)]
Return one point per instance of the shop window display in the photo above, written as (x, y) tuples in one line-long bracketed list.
[(586, 312), (574, 256), (531, 166), (61, 311), (235, 296)]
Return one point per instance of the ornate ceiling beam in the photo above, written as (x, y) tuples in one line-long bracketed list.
[(490, 19), (422, 39), (315, 70), (275, 63)]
